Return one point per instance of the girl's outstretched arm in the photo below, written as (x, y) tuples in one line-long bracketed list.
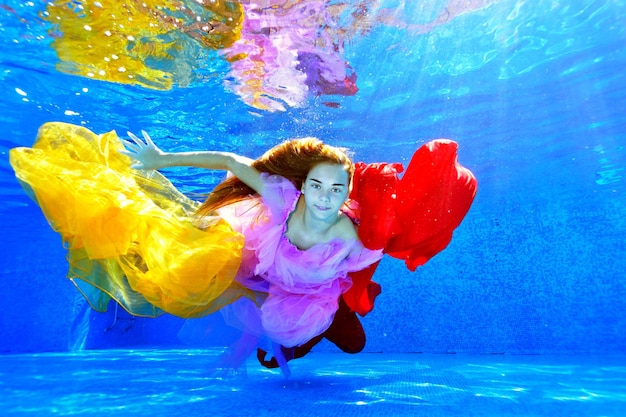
[(148, 156)]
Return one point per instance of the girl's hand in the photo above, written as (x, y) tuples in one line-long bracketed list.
[(145, 153)]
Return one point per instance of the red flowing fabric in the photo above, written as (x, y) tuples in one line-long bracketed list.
[(412, 218)]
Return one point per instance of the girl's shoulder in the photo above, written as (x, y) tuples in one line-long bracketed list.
[(279, 195), (345, 228)]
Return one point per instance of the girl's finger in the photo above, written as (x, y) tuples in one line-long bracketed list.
[(133, 147), (135, 139), (148, 139), (129, 154)]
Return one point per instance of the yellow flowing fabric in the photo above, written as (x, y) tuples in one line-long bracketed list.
[(130, 234)]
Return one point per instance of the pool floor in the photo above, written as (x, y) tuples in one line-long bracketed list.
[(179, 382)]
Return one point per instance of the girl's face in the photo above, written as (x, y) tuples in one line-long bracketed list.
[(325, 190)]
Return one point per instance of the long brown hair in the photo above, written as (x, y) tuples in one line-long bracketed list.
[(292, 159)]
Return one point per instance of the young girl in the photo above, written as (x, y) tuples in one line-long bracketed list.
[(299, 245)]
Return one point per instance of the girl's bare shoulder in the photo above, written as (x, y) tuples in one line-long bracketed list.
[(346, 229)]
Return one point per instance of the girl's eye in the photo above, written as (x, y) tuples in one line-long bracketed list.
[(316, 186), (336, 190)]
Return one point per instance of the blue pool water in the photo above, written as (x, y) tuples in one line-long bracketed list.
[(522, 314), (173, 382)]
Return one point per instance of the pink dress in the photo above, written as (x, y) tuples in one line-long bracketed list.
[(301, 288)]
